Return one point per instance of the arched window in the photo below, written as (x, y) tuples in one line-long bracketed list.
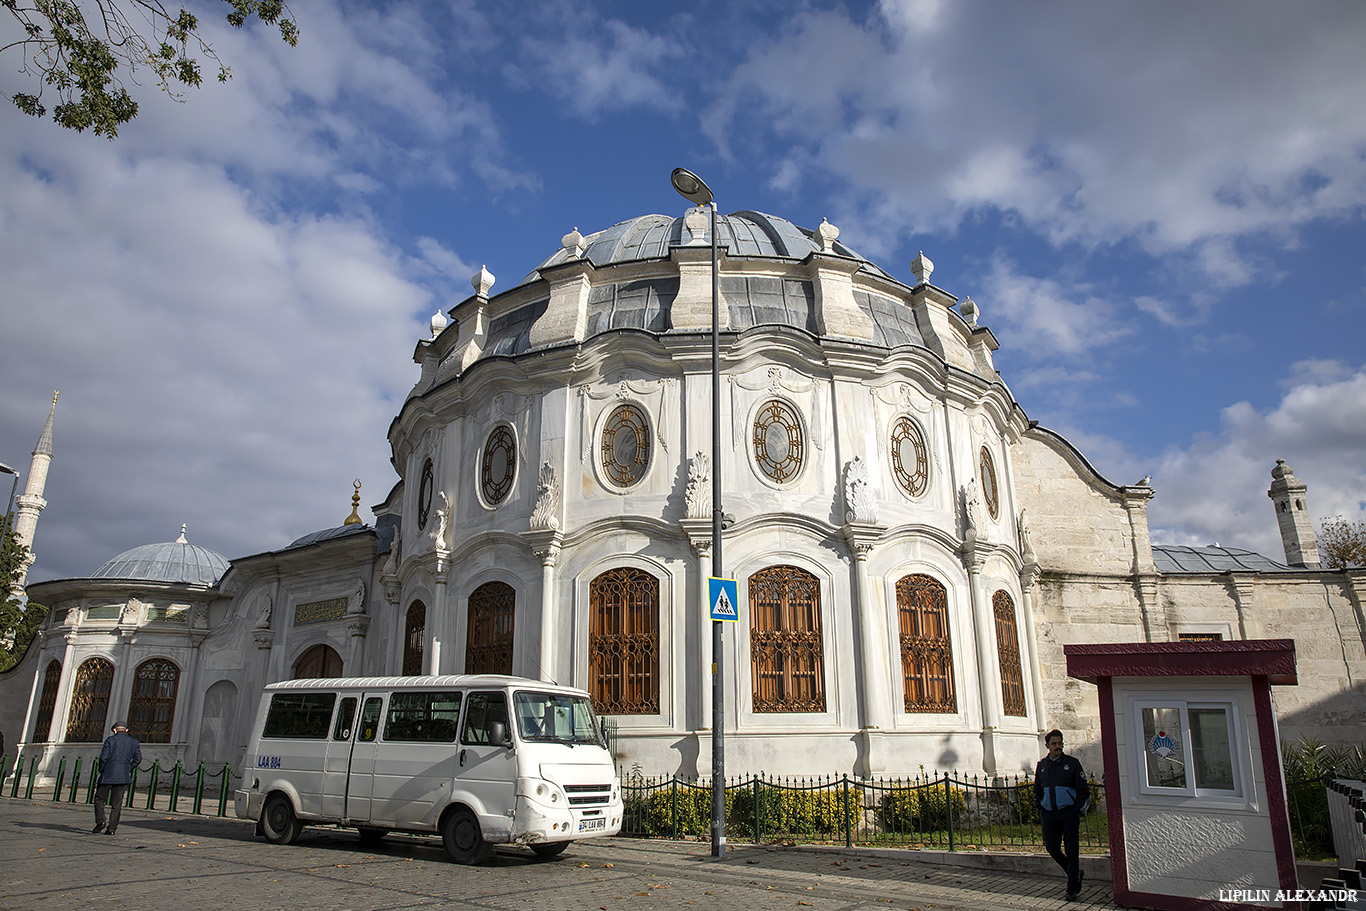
[(152, 707), (786, 651), (47, 702), (1008, 652), (319, 661), (488, 644), (922, 607), (623, 642), (90, 701), (414, 639)]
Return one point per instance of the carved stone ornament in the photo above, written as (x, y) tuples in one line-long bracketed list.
[(438, 533), (860, 505), (263, 619), (972, 507), (695, 495), (132, 609), (355, 605), (1026, 545), (547, 498)]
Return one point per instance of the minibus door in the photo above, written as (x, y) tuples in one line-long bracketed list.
[(487, 770), (361, 782), (337, 761)]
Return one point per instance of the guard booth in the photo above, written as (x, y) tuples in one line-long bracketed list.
[(1195, 793)]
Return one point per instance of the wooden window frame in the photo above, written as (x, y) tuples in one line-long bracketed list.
[(151, 711), (623, 642), (490, 633), (47, 702), (414, 639), (1008, 655), (90, 701), (922, 606), (787, 648)]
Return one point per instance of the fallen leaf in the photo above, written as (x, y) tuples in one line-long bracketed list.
[(341, 865), (583, 865), (609, 865), (751, 861)]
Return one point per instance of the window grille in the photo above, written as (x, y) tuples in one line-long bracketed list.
[(625, 446), (152, 707), (1008, 654), (786, 649), (488, 644), (926, 647), (414, 639), (991, 495), (90, 701), (777, 440), (497, 467), (623, 642), (47, 702), (910, 463)]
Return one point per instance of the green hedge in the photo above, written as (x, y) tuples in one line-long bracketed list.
[(921, 809)]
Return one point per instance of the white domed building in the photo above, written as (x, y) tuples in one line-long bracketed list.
[(911, 552)]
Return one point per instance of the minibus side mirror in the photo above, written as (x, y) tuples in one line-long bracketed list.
[(498, 733)]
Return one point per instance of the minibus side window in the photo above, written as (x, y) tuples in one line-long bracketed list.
[(299, 716), (482, 711), (345, 715), (423, 717), (369, 719)]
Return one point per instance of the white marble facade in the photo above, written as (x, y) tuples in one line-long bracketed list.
[(555, 452)]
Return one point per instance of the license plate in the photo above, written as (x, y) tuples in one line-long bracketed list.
[(588, 825)]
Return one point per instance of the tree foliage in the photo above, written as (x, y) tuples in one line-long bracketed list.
[(1342, 542), (17, 619), (82, 50)]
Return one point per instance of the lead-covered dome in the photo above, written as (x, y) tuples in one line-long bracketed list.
[(742, 234), (174, 561)]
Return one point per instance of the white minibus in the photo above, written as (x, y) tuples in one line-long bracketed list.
[(479, 759)]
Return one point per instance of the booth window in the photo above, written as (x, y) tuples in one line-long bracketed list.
[(1189, 748)]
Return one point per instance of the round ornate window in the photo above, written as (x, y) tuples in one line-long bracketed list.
[(498, 465), (990, 493), (424, 495), (777, 440), (625, 445), (909, 461)]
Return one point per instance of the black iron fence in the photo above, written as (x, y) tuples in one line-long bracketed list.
[(945, 811), (203, 789)]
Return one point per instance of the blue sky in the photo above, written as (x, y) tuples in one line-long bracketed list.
[(1158, 208)]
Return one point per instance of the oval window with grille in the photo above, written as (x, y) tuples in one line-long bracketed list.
[(778, 442), (990, 493), (498, 466), (625, 446), (910, 462)]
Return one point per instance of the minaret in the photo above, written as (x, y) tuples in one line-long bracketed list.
[(1292, 515), (31, 502)]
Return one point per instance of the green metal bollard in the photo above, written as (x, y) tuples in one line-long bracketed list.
[(94, 777), (61, 776), (758, 830), (948, 806), (4, 764), (32, 777), (152, 788), (223, 790), (175, 785), (199, 789), (18, 773), (673, 805), (75, 781)]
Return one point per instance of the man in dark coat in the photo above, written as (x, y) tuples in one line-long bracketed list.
[(1061, 792), (121, 754)]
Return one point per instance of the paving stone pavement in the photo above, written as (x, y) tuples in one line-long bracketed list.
[(160, 861)]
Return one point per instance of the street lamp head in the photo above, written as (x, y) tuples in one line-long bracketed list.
[(5, 469), (691, 187)]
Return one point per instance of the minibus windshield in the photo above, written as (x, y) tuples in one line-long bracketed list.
[(556, 718)]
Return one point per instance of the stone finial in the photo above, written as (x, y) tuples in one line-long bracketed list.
[(439, 322), (573, 244), (181, 539), (482, 281), (922, 268), (969, 310), (696, 223), (826, 235)]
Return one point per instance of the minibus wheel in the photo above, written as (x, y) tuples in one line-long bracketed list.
[(278, 822), (462, 839), (550, 848)]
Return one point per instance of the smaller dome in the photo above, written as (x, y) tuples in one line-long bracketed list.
[(174, 561)]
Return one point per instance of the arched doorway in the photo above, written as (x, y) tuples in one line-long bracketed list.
[(319, 661)]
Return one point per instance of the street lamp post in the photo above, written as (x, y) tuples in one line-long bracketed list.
[(5, 469), (695, 190)]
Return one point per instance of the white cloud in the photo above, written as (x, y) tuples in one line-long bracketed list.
[(603, 65), (1185, 128), (1215, 488), (1048, 317)]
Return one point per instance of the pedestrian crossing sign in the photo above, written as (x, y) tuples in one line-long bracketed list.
[(721, 596)]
